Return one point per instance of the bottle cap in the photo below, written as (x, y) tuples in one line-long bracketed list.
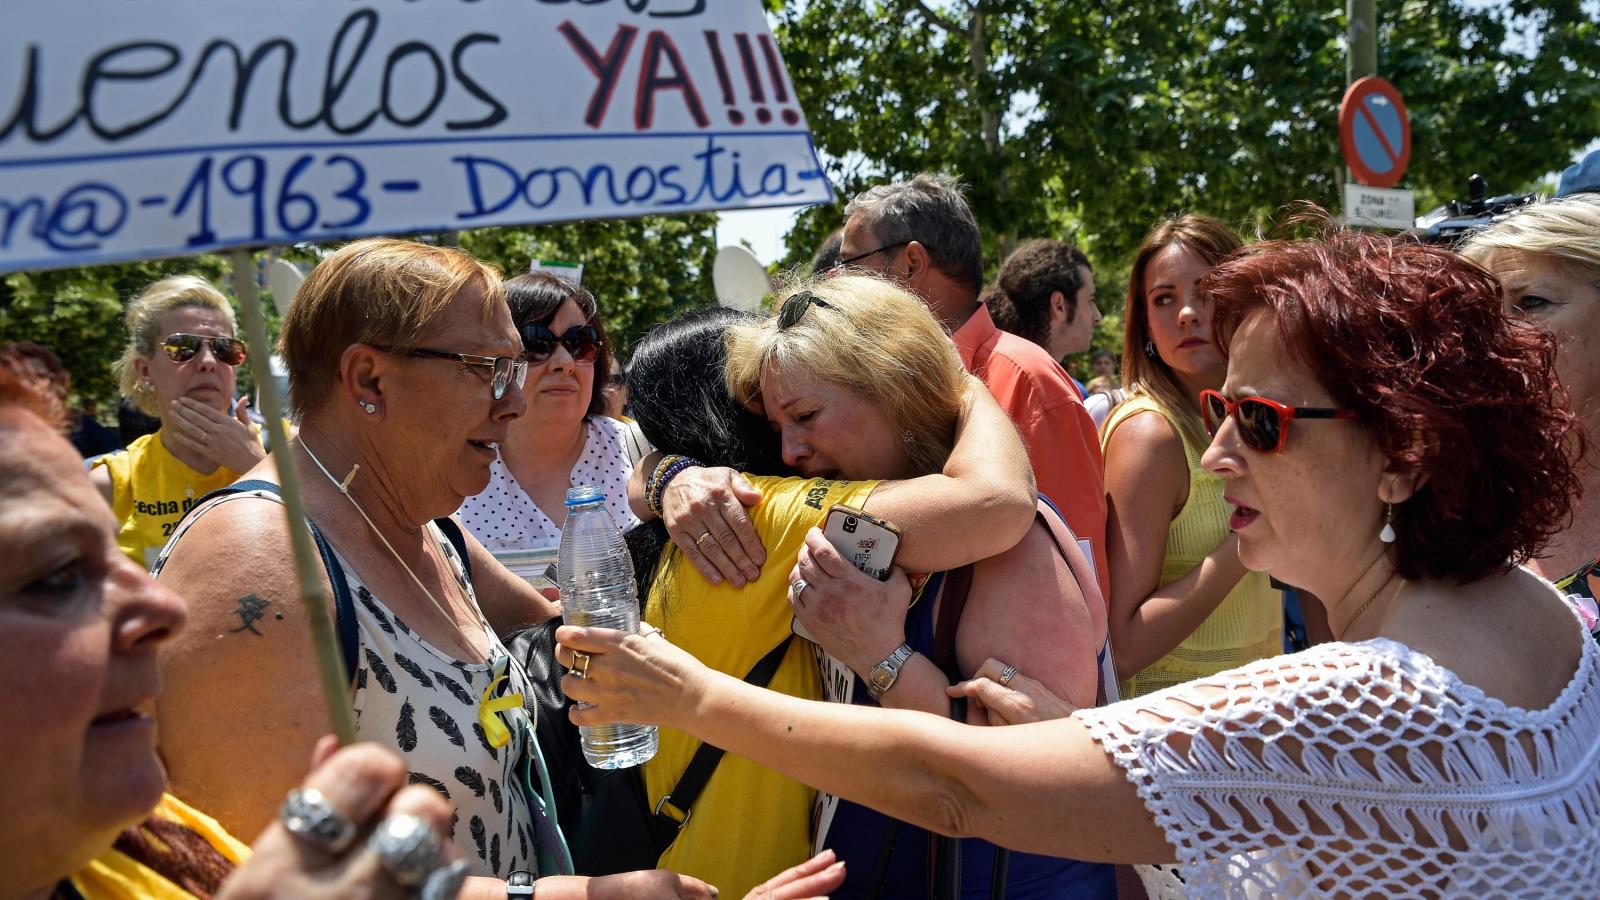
[(584, 494)]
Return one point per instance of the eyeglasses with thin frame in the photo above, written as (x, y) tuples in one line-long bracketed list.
[(860, 256), (1263, 423), (181, 348), (794, 308), (539, 343), (506, 368)]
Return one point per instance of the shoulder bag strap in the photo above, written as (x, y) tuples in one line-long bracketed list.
[(700, 769), (944, 881)]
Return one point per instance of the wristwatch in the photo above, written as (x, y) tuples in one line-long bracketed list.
[(883, 675), (519, 884)]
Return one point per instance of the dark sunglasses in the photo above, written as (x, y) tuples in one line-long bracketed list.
[(539, 343), (1263, 423), (794, 308), (182, 347), (860, 256)]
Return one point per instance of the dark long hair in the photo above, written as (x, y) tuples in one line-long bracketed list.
[(677, 395), (536, 297)]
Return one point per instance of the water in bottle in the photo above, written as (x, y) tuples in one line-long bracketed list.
[(596, 579)]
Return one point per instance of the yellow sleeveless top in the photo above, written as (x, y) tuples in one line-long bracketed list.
[(114, 876), (751, 822), (1248, 624), (151, 490)]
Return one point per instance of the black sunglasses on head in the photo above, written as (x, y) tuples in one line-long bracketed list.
[(539, 343), (182, 347), (794, 308)]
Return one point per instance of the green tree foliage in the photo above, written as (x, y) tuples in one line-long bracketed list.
[(643, 271), (1094, 119)]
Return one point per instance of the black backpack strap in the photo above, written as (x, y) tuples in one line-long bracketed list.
[(344, 608), (700, 769)]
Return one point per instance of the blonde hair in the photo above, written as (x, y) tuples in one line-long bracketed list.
[(144, 317), (873, 338), (380, 291), (1143, 373), (1565, 230)]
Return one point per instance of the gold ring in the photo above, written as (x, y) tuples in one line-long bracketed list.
[(580, 664), (205, 438), (1006, 674), (700, 541)]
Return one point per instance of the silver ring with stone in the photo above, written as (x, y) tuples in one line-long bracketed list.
[(445, 883), (308, 815), (1006, 674), (408, 847)]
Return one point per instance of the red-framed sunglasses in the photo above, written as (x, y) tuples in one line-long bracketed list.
[(1263, 423)]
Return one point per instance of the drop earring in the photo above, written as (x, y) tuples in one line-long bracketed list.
[(369, 407), (1150, 349), (1387, 534)]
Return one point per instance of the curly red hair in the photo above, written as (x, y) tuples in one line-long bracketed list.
[(1416, 340), (18, 394)]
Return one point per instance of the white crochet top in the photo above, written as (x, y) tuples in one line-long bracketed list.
[(1364, 770)]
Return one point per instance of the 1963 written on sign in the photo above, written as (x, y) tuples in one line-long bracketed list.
[(139, 128)]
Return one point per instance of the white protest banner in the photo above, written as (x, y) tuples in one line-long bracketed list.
[(142, 128)]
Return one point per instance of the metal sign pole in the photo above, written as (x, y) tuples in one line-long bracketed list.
[(1361, 53), (308, 570)]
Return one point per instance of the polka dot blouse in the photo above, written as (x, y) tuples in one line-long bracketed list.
[(504, 517)]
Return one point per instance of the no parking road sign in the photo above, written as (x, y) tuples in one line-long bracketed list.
[(1375, 132)]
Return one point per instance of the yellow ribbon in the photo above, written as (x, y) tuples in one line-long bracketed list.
[(489, 707)]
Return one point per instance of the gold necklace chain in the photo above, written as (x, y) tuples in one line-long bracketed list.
[(1399, 586), (344, 488)]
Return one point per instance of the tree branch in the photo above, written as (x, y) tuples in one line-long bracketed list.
[(937, 19)]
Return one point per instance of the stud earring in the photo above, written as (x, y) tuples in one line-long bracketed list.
[(370, 407), (909, 437), (1387, 534), (1150, 349)]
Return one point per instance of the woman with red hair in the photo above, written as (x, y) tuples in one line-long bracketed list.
[(1362, 436)]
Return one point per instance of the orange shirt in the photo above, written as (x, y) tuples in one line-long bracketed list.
[(1062, 442)]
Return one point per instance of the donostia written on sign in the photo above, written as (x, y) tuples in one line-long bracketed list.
[(140, 128)]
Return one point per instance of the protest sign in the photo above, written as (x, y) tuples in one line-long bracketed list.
[(141, 128)]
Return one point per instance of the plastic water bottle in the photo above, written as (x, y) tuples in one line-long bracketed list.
[(595, 574)]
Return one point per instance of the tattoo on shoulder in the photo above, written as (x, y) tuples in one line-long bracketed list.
[(251, 609)]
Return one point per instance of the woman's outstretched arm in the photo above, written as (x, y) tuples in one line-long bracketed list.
[(1043, 788)]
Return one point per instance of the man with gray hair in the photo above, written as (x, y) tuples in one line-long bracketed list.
[(921, 233)]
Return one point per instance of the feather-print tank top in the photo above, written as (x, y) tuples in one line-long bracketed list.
[(415, 699)]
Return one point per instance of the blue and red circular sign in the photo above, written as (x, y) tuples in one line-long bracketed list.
[(1375, 132)]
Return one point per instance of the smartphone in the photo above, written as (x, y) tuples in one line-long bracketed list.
[(867, 541)]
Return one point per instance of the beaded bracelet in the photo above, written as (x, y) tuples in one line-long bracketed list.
[(678, 466), (654, 481), (666, 470)]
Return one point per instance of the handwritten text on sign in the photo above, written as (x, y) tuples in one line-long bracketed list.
[(138, 128)]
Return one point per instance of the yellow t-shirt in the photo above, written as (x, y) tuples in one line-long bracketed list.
[(114, 876), (751, 822), (1248, 624), (151, 490)]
